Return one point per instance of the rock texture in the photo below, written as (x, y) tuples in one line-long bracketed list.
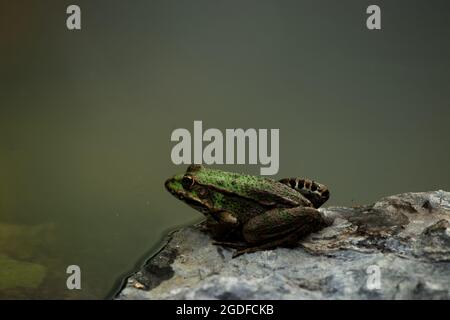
[(397, 248)]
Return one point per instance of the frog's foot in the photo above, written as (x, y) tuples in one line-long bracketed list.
[(238, 253), (287, 241), (243, 247), (234, 245)]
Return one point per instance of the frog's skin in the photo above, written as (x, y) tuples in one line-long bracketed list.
[(252, 213)]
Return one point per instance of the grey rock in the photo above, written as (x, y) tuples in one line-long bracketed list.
[(397, 248)]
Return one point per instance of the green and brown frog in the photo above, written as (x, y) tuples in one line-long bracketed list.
[(252, 213)]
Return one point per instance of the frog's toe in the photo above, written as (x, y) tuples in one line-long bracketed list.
[(240, 252), (237, 253), (234, 245)]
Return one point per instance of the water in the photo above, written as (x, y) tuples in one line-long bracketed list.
[(86, 118)]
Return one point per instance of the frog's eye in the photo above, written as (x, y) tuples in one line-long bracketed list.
[(187, 182)]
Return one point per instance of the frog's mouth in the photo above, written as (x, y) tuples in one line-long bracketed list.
[(178, 192), (197, 205)]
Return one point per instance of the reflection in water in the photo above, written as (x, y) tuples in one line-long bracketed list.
[(16, 274), (31, 269), (24, 261)]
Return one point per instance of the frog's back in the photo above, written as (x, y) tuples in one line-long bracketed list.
[(263, 190)]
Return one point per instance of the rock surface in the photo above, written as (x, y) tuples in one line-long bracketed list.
[(397, 248)]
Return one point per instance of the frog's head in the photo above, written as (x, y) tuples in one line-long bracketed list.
[(184, 187)]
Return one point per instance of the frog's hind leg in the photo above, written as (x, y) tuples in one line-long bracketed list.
[(315, 192), (280, 227)]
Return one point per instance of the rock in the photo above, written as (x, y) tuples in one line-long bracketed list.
[(397, 248)]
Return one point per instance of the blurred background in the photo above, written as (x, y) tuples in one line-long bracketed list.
[(86, 116)]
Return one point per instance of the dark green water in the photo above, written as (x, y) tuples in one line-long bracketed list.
[(86, 117)]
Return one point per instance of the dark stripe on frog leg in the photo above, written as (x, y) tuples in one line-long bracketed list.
[(315, 192), (297, 183)]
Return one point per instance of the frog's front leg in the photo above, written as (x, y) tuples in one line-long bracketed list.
[(281, 227), (222, 225)]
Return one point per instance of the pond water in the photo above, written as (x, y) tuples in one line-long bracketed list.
[(86, 118)]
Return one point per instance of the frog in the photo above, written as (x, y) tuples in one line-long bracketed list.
[(251, 213)]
